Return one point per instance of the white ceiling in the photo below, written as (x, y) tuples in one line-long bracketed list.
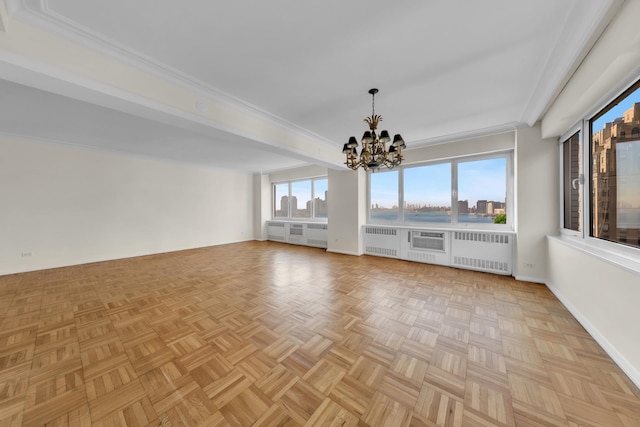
[(445, 69)]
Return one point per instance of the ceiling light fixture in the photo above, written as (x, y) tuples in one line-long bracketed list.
[(374, 154)]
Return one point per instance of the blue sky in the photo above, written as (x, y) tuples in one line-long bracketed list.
[(302, 191), (431, 184), (617, 111)]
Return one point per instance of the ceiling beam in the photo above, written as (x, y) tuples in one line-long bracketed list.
[(40, 59)]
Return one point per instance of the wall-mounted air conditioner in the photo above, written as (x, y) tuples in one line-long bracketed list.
[(430, 246), (296, 233)]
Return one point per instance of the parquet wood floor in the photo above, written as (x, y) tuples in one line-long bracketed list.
[(268, 334)]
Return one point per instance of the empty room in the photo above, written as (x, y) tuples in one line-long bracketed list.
[(305, 213)]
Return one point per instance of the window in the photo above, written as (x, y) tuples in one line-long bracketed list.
[(383, 192), (462, 191), (572, 179), (281, 200), (482, 190), (427, 193), (303, 199), (615, 170), (300, 201)]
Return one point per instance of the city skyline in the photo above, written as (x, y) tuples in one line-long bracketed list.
[(430, 185)]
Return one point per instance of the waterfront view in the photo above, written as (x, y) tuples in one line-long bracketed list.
[(438, 217), (428, 192)]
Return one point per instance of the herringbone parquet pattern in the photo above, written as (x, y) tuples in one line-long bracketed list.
[(268, 334)]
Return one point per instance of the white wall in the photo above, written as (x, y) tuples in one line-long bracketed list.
[(304, 172), (347, 207), (65, 205), (614, 59), (603, 297), (479, 145), (537, 206), (262, 205)]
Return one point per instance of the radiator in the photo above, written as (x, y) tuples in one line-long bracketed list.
[(317, 235), (475, 250), (381, 241), (484, 251), (298, 233), (275, 231)]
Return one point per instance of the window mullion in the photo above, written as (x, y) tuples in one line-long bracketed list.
[(454, 192), (401, 195), (587, 183), (312, 214)]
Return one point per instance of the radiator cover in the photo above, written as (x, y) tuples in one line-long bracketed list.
[(475, 250)]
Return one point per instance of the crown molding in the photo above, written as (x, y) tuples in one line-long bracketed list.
[(39, 14), (564, 59), (4, 16)]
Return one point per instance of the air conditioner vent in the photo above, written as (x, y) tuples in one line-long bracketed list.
[(296, 231), (275, 224), (314, 242), (372, 250), (427, 240), (502, 239), (317, 226), (381, 231), (484, 264)]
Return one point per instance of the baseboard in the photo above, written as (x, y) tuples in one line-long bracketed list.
[(343, 252), (632, 372), (530, 279)]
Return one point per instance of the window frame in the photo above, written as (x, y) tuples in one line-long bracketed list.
[(312, 217), (454, 224), (617, 252), (580, 127)]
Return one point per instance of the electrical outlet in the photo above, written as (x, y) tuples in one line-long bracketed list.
[(26, 254), (529, 265)]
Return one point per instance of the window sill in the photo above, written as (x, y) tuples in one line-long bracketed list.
[(617, 258), (302, 220), (489, 228)]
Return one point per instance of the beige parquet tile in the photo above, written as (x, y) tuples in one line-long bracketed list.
[(176, 339)]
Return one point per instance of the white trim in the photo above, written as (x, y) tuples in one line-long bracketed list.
[(344, 252), (530, 279), (619, 359)]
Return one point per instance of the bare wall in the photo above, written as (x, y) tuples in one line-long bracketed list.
[(63, 205)]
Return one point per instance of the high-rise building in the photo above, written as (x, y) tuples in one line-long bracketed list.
[(607, 141), (284, 206), (481, 206)]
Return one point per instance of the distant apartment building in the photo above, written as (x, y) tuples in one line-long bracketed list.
[(612, 144), (481, 206)]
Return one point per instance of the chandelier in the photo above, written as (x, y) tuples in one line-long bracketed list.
[(374, 154)]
